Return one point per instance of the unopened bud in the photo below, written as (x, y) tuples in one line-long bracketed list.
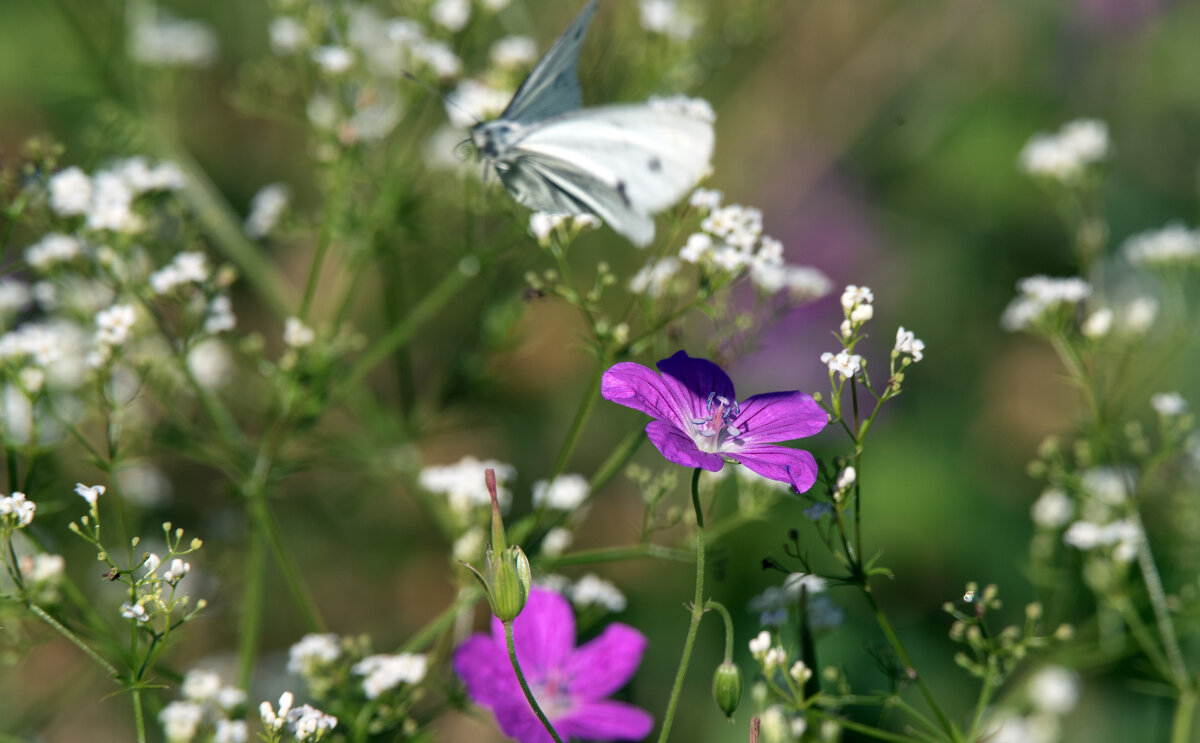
[(727, 688)]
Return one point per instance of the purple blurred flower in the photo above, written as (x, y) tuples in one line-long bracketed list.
[(699, 421), (569, 683)]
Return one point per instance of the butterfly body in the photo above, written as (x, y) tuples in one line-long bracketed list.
[(621, 163)]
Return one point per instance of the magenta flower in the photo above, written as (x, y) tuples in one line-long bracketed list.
[(699, 422), (570, 684)]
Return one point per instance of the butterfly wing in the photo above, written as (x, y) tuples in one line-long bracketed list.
[(553, 86), (621, 163)]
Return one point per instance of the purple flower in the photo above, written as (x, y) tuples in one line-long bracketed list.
[(699, 422), (569, 683)]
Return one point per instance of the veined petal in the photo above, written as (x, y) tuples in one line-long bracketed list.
[(605, 720), (639, 387), (794, 466), (543, 633), (693, 380), (600, 667), (780, 416), (676, 446)]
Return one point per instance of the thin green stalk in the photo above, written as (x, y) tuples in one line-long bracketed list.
[(881, 618), (985, 697), (254, 596), (74, 639), (720, 609), (139, 718), (428, 306), (265, 522), (616, 554), (697, 612), (1185, 710), (586, 405), (1162, 614), (512, 656)]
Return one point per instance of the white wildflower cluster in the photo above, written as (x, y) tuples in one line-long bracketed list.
[(592, 590), (556, 541), (463, 483), (1168, 404), (313, 656), (296, 334), (472, 101), (306, 723), (185, 269), (1134, 318), (1173, 246), (16, 511), (654, 279), (543, 225), (667, 17), (908, 344), (1053, 509), (114, 326), (209, 706), (158, 598), (769, 655), (105, 199), (159, 39), (266, 208), (52, 250), (843, 363), (1103, 522), (382, 673), (1050, 694), (563, 493), (732, 241), (45, 351), (1040, 298), (1067, 155)]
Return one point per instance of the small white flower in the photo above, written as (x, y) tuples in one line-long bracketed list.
[(542, 225), (314, 651), (846, 479), (296, 334), (1173, 245), (1040, 295), (1053, 509), (210, 363), (861, 314), (800, 672), (1098, 323), (188, 267), (332, 59), (776, 657), (843, 363), (113, 325), (158, 38), (707, 199), (463, 483), (384, 672), (1054, 689), (230, 698), (760, 645), (556, 541), (89, 492), (1168, 404), (220, 317), (514, 51), (592, 590), (230, 731), (908, 343), (19, 508), (134, 611), (180, 721), (1067, 155), (564, 493), (52, 250), (151, 564), (1108, 485), (452, 15), (1139, 315), (853, 296), (70, 192), (307, 723), (655, 277), (266, 208), (267, 714), (200, 685), (112, 204), (287, 35), (178, 570)]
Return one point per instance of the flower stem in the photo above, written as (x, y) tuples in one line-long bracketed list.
[(139, 718), (720, 609), (512, 656), (581, 415), (1185, 710), (697, 612)]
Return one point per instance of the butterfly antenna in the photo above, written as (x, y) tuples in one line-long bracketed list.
[(444, 98)]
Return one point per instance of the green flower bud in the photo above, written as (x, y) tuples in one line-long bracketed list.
[(507, 577), (727, 688)]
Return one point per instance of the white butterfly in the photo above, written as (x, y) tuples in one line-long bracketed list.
[(621, 163)]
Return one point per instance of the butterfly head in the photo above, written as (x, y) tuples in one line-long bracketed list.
[(493, 138)]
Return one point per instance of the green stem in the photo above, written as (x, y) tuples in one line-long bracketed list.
[(252, 607), (697, 612), (720, 609), (985, 696), (450, 285), (139, 718), (616, 554), (1185, 710), (1162, 614), (512, 656), (910, 669), (586, 405), (287, 565), (74, 639)]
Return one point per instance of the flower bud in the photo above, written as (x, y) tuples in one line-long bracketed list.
[(507, 576), (727, 688)]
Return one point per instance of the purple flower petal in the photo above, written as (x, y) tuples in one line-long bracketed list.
[(679, 448), (517, 720), (780, 416), (639, 387), (605, 720), (543, 633), (693, 380), (485, 670), (794, 466), (605, 664)]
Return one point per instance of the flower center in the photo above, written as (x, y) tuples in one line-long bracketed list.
[(716, 426), (552, 695)]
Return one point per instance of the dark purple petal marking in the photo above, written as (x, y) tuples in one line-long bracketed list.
[(639, 387), (780, 416), (693, 380)]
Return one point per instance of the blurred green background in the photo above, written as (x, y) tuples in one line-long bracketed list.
[(880, 139)]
